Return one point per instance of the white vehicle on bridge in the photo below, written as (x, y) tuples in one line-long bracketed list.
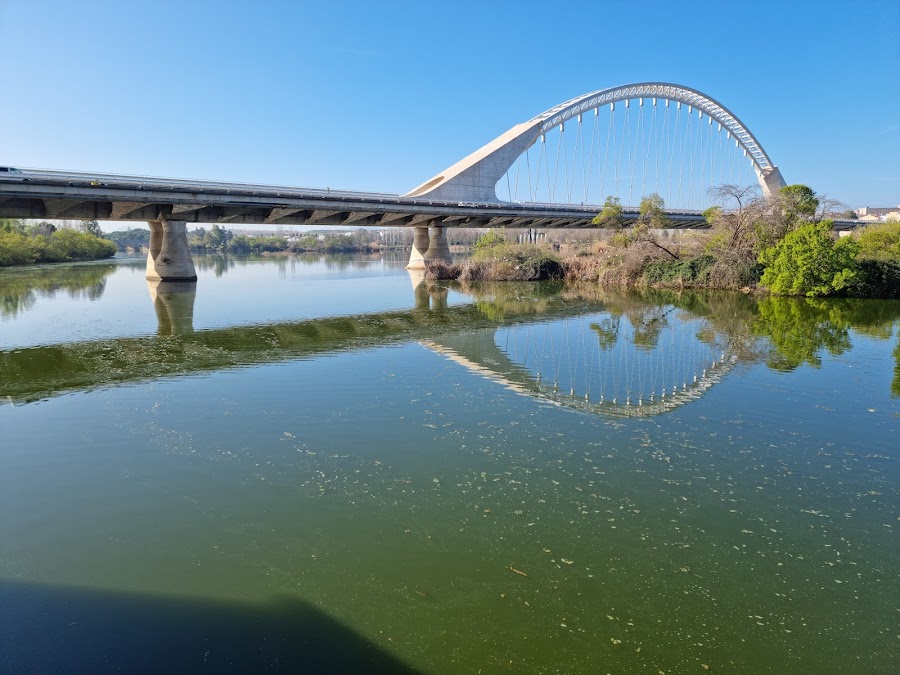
[(12, 173)]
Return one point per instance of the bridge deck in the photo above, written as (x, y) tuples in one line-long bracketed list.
[(66, 195)]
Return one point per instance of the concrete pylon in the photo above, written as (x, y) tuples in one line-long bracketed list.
[(169, 258), (438, 248), (419, 248), (770, 180), (174, 305)]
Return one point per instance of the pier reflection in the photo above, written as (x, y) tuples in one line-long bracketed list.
[(174, 305)]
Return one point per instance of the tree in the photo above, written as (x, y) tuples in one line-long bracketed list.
[(612, 216), (652, 212), (12, 225), (809, 262), (651, 216), (91, 227), (798, 202), (41, 228), (733, 224), (218, 237)]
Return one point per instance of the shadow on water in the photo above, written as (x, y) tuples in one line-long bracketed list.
[(59, 629)]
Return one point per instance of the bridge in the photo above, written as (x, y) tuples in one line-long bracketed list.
[(663, 138)]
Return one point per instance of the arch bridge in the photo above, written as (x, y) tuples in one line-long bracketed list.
[(553, 171)]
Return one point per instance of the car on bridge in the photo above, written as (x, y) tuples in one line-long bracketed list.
[(12, 173)]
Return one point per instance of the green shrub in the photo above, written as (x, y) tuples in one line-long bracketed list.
[(14, 249), (489, 240), (880, 240), (876, 278), (63, 245), (693, 272), (808, 261)]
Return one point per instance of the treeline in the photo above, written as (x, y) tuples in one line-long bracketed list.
[(218, 239), (26, 244)]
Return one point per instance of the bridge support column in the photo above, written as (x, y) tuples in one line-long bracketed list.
[(169, 258), (438, 248), (419, 249)]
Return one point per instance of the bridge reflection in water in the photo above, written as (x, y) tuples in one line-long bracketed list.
[(554, 343)]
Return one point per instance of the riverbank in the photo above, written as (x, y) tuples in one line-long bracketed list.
[(865, 273)]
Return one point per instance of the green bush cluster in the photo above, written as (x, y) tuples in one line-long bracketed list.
[(880, 240), (877, 278), (808, 261), (489, 240), (65, 245), (692, 272)]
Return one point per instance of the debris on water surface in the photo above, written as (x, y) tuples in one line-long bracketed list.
[(517, 571)]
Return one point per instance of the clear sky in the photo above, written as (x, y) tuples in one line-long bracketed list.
[(383, 95)]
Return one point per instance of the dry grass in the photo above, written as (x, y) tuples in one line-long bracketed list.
[(438, 270)]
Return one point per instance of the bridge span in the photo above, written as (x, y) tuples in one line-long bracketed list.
[(651, 146), (170, 204)]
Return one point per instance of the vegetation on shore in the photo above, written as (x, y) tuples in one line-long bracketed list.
[(496, 259), (43, 242), (782, 245)]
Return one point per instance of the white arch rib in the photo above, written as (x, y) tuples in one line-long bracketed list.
[(474, 178)]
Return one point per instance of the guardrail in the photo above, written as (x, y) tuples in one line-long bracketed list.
[(53, 175)]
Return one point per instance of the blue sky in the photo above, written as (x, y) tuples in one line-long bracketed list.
[(383, 95)]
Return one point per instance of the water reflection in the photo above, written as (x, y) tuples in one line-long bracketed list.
[(600, 350), (221, 263), (20, 288), (174, 305)]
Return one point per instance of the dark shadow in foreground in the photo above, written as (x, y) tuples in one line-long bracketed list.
[(56, 629)]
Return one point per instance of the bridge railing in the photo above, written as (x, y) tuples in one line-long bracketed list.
[(127, 180)]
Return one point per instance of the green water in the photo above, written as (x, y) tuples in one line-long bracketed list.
[(324, 465)]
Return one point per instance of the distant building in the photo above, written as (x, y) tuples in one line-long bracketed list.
[(877, 211)]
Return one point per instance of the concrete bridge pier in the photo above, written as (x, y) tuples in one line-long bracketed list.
[(438, 247), (419, 248), (428, 246), (169, 258)]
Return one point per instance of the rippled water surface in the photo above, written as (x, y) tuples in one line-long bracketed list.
[(327, 464)]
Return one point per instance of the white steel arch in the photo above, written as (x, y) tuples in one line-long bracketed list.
[(474, 178)]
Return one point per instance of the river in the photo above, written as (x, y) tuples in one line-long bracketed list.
[(327, 465)]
